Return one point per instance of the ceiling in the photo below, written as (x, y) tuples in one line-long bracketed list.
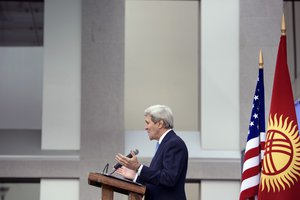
[(21, 23)]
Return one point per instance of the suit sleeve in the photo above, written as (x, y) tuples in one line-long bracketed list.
[(170, 167)]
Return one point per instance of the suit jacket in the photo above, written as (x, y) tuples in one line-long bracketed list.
[(165, 177)]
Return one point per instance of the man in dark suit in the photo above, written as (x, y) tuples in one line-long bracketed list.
[(165, 177)]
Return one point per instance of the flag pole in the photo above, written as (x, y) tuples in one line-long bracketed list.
[(283, 27), (255, 146), (260, 60)]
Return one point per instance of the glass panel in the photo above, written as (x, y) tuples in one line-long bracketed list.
[(21, 23), (24, 191)]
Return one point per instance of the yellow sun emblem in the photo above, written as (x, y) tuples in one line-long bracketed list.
[(281, 163)]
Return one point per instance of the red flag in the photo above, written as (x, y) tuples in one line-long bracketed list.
[(280, 176)]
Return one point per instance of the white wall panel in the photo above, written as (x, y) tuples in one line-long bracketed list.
[(62, 68), (225, 190), (220, 74), (59, 189), (161, 61)]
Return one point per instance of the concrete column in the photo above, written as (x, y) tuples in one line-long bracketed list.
[(102, 99)]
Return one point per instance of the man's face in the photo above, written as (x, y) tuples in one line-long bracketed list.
[(153, 129)]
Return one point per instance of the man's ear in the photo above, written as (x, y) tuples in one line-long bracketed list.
[(161, 123)]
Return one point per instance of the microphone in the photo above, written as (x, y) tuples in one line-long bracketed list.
[(118, 165)]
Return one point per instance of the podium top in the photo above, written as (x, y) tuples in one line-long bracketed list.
[(120, 185)]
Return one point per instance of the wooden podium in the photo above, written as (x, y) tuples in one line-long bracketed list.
[(111, 184)]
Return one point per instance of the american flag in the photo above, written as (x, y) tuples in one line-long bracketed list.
[(255, 144)]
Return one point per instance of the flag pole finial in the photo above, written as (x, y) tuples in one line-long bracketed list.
[(283, 27), (260, 60)]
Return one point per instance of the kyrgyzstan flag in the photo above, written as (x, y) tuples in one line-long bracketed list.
[(280, 176)]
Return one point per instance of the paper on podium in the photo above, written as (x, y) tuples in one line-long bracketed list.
[(119, 177)]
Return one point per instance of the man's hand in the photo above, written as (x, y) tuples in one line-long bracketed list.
[(127, 173), (130, 163)]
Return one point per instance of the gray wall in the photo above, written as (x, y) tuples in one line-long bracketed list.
[(259, 29)]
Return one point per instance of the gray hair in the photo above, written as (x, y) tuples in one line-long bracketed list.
[(160, 112)]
